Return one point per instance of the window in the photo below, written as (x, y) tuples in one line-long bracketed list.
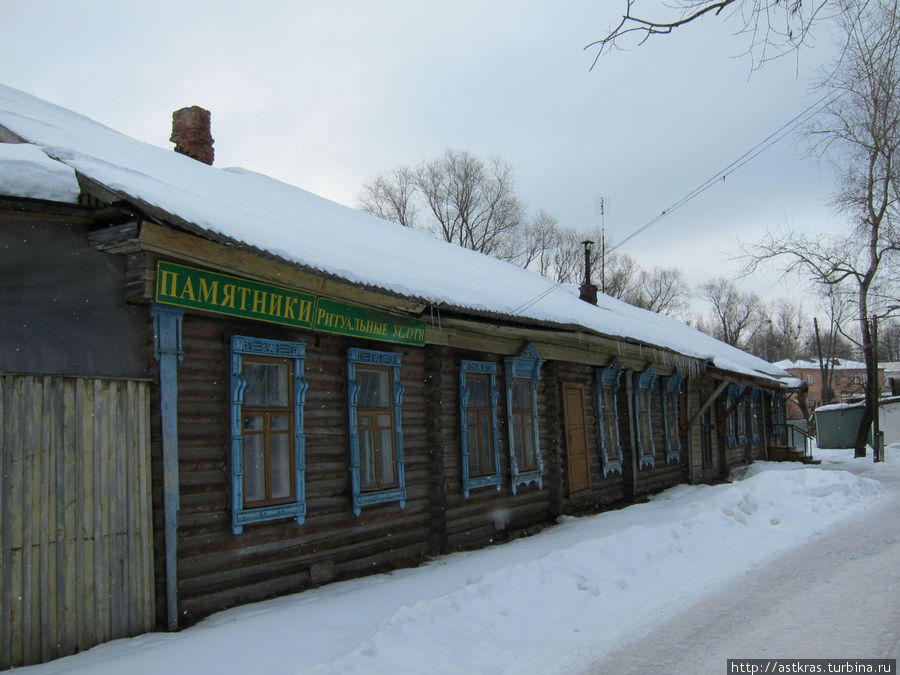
[(754, 415), (478, 414), (670, 389), (376, 437), (607, 383), (522, 377), (731, 416), (740, 417), (643, 411), (267, 443), (779, 417)]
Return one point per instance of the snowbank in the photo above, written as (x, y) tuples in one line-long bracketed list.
[(548, 603)]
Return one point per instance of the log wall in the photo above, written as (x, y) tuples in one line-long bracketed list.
[(218, 569)]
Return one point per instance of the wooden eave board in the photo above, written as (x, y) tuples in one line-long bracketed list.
[(167, 243)]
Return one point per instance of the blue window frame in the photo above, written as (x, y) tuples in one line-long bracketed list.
[(754, 415), (731, 419), (643, 410), (267, 442), (607, 386), (670, 387), (479, 440), (375, 398), (523, 373), (779, 417)]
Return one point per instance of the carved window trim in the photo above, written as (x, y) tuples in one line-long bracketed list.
[(754, 415), (643, 388), (607, 385), (671, 386), (526, 366), (731, 419), (242, 345), (489, 370), (391, 360)]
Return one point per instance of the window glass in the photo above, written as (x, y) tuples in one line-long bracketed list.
[(521, 394), (672, 414), (374, 387), (254, 469), (254, 423), (366, 459), (609, 423), (479, 391), (267, 384), (281, 466), (485, 452), (644, 385), (646, 425), (386, 455), (376, 447)]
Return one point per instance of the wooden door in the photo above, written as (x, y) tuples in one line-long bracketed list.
[(576, 438)]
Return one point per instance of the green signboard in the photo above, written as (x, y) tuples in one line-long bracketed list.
[(336, 317), (223, 294)]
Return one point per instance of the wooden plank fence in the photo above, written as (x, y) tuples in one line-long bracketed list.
[(76, 540)]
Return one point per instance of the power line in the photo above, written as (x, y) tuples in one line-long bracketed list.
[(748, 156)]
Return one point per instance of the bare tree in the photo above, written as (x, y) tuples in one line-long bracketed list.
[(736, 316), (661, 290), (773, 27), (788, 321), (889, 341), (474, 204), (538, 243), (391, 196), (862, 125), (781, 330)]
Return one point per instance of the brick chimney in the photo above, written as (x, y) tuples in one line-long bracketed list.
[(191, 134)]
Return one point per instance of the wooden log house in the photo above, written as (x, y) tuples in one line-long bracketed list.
[(196, 418)]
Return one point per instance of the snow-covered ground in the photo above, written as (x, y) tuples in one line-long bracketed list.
[(552, 603)]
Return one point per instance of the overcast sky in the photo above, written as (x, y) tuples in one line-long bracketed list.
[(326, 95)]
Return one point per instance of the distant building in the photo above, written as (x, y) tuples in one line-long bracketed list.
[(892, 376), (848, 381)]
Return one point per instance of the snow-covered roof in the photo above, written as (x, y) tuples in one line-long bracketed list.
[(813, 364), (310, 231), (844, 405), (26, 171)]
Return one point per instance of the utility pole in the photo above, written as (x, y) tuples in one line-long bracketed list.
[(827, 393), (874, 384)]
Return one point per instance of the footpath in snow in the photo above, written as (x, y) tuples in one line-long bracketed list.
[(552, 603)]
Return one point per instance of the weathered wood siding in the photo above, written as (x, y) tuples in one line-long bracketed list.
[(704, 471), (75, 518), (218, 569), (486, 516), (663, 474), (604, 490)]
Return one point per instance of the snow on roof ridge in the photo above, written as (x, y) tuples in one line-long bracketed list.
[(313, 232)]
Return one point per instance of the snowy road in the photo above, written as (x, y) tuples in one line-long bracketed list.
[(837, 596), (696, 565)]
